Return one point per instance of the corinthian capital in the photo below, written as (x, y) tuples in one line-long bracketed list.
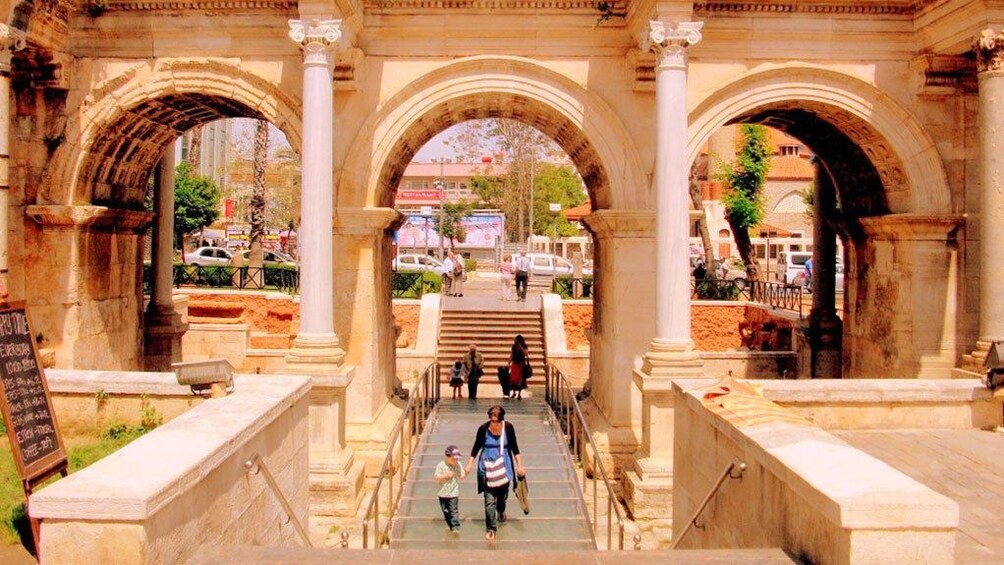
[(10, 40), (316, 36), (669, 41), (989, 48)]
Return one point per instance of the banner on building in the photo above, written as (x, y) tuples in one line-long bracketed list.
[(482, 230)]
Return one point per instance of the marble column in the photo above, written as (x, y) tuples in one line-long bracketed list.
[(821, 340), (10, 40), (163, 327), (671, 355), (989, 48), (316, 349), (336, 477)]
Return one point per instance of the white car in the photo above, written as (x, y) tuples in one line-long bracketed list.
[(417, 263), (838, 279), (209, 257), (269, 258), (545, 264)]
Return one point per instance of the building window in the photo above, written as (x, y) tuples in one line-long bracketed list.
[(418, 185), (789, 150), (792, 203)]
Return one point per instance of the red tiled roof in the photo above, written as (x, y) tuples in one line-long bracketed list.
[(579, 211), (790, 167)]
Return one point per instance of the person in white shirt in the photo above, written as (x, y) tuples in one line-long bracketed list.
[(447, 275), (522, 268)]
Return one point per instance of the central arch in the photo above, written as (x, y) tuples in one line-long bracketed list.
[(508, 87)]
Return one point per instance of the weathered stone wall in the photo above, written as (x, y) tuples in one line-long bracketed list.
[(185, 484)]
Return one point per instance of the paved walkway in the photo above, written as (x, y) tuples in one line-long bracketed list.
[(964, 465)]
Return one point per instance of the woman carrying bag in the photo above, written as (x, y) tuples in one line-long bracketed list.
[(498, 466)]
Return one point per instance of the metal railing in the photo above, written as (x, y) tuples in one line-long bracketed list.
[(246, 278), (407, 284), (726, 474), (405, 437), (257, 465), (773, 294), (568, 287), (559, 396)]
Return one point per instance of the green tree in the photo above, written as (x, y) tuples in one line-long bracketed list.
[(560, 184), (452, 227), (745, 178), (196, 201)]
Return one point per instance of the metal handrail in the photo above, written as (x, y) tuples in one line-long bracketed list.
[(255, 465), (726, 474), (421, 400), (559, 395)]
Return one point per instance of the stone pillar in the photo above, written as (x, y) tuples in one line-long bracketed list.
[(821, 337), (671, 355), (316, 349), (163, 326), (989, 48), (625, 243), (335, 475), (10, 40)]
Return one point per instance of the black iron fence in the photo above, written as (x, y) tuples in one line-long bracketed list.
[(773, 294), (285, 279), (405, 284), (569, 287)]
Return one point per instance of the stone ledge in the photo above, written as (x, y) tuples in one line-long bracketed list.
[(939, 391), (851, 489), (114, 382), (135, 482)]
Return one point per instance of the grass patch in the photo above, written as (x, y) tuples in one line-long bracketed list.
[(82, 451)]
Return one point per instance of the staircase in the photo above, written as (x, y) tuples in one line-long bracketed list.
[(492, 331), (557, 520)]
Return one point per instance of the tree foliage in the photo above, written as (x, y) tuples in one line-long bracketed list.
[(196, 201), (745, 178), (258, 192), (524, 160), (452, 228)]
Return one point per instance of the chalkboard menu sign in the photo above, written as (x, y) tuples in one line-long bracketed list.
[(27, 408)]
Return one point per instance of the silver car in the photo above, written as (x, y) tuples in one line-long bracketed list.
[(209, 257), (414, 262)]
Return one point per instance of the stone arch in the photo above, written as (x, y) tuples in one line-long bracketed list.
[(125, 122), (494, 86), (844, 120)]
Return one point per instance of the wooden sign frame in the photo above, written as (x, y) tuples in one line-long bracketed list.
[(36, 471)]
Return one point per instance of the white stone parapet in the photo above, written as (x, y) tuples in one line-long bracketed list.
[(184, 484), (804, 490)]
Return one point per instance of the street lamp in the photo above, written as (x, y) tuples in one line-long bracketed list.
[(555, 209), (438, 183), (426, 212), (766, 234)]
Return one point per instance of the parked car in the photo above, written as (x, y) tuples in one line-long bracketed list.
[(269, 258), (545, 264), (209, 257), (838, 279), (732, 271), (414, 262), (790, 264)]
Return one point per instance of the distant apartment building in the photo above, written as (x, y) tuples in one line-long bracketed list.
[(215, 151)]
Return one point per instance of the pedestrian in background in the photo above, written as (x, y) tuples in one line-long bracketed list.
[(506, 274), (522, 266), (447, 275), (459, 274), (474, 367), (519, 359)]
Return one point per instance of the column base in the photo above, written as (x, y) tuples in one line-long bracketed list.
[(820, 346), (673, 360), (648, 490), (315, 355), (616, 444), (162, 334), (336, 484)]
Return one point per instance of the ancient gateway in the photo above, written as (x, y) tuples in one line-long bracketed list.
[(900, 100)]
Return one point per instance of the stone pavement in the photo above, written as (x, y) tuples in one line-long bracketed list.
[(964, 465)]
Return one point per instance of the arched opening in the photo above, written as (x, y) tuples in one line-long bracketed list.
[(882, 205)]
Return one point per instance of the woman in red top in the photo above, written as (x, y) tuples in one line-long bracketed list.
[(519, 358)]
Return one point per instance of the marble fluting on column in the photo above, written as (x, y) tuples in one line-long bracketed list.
[(989, 48), (317, 348), (648, 485)]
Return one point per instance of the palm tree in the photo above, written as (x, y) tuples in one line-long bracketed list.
[(258, 193)]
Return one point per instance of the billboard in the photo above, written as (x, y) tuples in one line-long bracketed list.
[(483, 230)]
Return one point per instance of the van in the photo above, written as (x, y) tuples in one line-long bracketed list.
[(790, 264), (545, 264)]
